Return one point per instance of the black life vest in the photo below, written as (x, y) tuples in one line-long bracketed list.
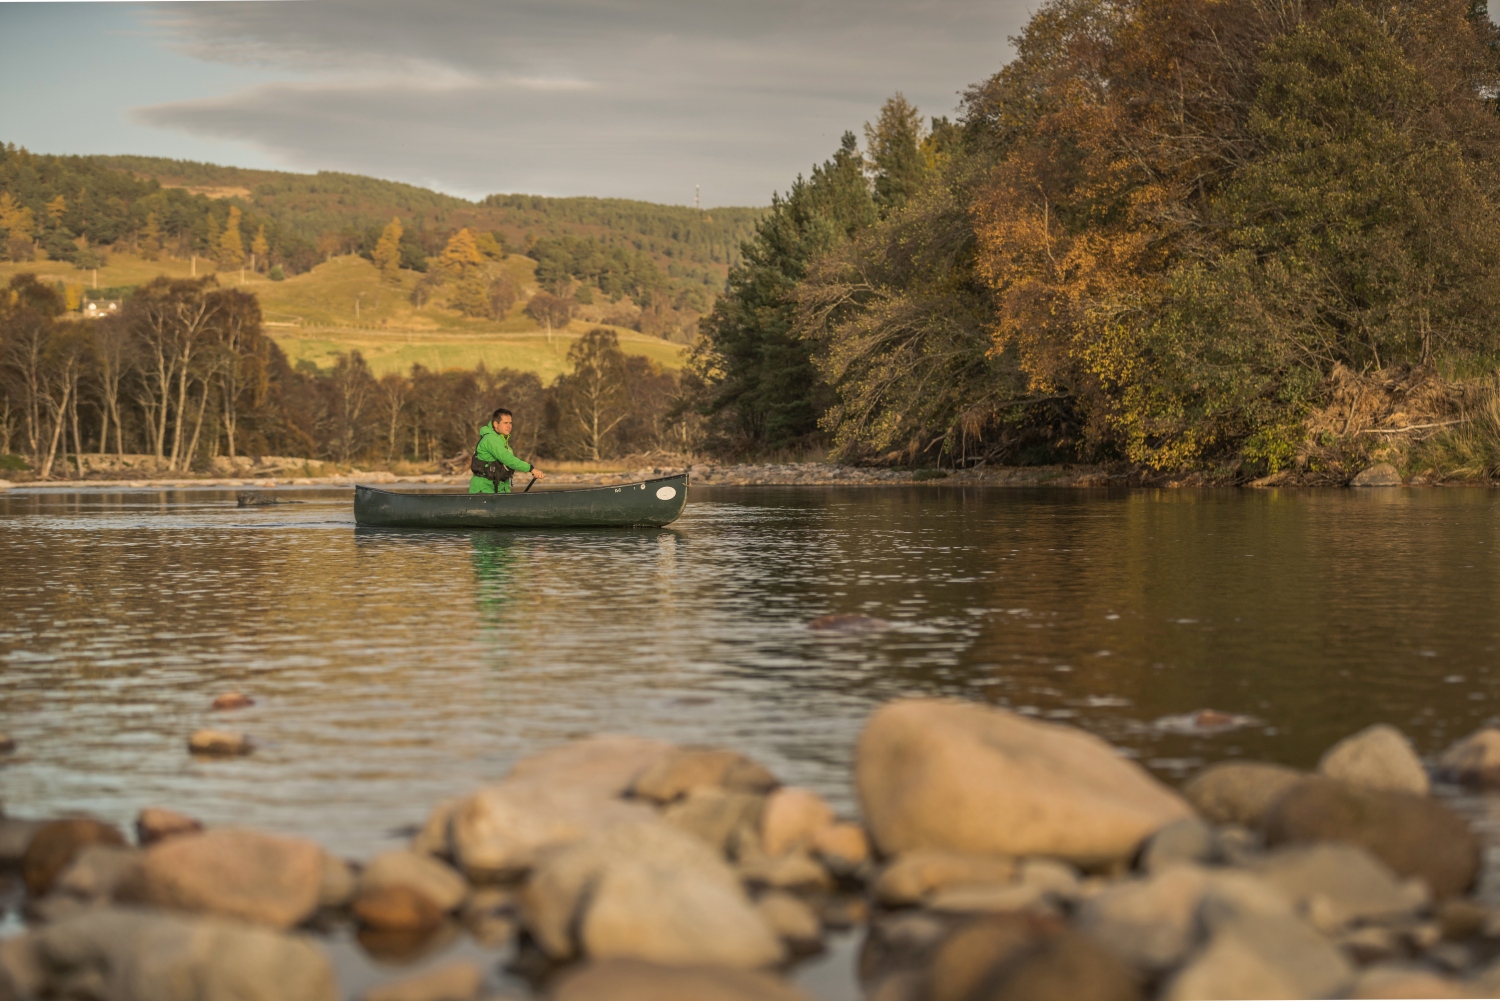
[(496, 472)]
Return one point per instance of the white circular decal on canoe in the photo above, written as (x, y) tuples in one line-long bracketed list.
[(666, 493)]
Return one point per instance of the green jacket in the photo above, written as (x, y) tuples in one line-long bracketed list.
[(495, 447)]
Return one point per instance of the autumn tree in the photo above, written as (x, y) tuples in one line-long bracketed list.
[(260, 247), (387, 254), (460, 255), (18, 226), (503, 294), (231, 249)]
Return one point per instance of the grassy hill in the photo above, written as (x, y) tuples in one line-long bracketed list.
[(343, 305)]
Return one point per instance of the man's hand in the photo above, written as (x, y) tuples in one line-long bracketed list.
[(537, 473)]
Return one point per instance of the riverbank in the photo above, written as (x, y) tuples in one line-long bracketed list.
[(707, 474), (993, 856)]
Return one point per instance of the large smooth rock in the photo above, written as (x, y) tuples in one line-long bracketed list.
[(1382, 474), (53, 847), (547, 799), (934, 773), (96, 872), (439, 883), (686, 769), (1474, 761), (1267, 957), (1338, 884), (395, 908), (647, 891), (1151, 923), (791, 818), (1378, 757), (1414, 835), (714, 814), (1239, 792), (129, 955), (625, 980), (264, 878), (500, 831), (912, 876)]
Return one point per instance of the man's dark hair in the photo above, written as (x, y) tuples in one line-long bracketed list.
[(502, 412)]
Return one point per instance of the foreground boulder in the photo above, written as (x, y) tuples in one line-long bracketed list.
[(934, 773), (1378, 757), (1239, 792), (53, 846), (1338, 884), (1015, 957), (129, 955), (1414, 835), (263, 878), (625, 980), (547, 799), (645, 890)]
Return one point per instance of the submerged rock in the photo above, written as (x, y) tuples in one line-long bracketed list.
[(1020, 958), (1239, 792), (456, 981), (1378, 757), (131, 955), (219, 743), (231, 700), (53, 846), (934, 773), (848, 623), (1474, 761), (7, 743), (396, 908), (1414, 835), (626, 980), (263, 878)]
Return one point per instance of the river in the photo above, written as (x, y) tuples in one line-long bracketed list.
[(393, 669)]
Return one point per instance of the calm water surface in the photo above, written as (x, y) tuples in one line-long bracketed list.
[(393, 669)]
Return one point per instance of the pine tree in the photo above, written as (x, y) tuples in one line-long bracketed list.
[(260, 247), (211, 233), (231, 245), (894, 145), (150, 241), (471, 296), (55, 209), (388, 251)]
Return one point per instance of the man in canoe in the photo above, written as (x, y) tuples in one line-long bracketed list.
[(494, 463)]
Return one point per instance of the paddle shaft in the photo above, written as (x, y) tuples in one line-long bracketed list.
[(529, 486)]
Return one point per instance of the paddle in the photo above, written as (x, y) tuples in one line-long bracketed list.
[(529, 486)]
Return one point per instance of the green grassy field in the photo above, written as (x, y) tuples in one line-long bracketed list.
[(343, 305)]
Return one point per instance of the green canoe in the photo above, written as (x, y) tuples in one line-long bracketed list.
[(654, 502)]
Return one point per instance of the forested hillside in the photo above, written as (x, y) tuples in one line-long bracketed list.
[(76, 208), (1208, 239)]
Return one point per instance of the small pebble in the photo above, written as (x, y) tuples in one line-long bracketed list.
[(233, 700), (219, 743)]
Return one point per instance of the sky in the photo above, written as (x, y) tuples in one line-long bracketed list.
[(624, 98)]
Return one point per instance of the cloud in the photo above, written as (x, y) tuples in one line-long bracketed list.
[(634, 98)]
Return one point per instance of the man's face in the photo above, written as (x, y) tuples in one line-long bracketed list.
[(503, 424)]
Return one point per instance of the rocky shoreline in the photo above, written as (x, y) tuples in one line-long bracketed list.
[(996, 857)]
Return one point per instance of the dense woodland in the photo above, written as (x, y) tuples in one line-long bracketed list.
[(1221, 239), (1199, 239)]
